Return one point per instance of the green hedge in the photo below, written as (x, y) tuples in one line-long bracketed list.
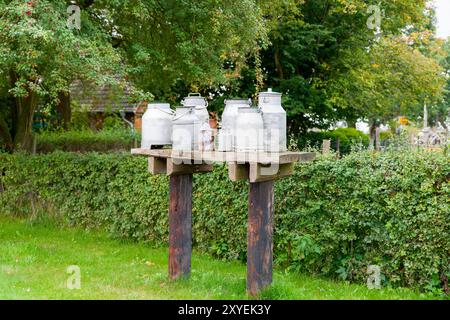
[(84, 141), (348, 138), (333, 217)]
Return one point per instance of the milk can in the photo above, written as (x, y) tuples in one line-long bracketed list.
[(274, 118), (196, 101), (205, 138), (157, 125), (249, 130), (227, 134), (185, 130)]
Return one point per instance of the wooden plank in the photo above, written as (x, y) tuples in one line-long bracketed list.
[(157, 165), (181, 169), (210, 157), (259, 172), (180, 226), (237, 171), (260, 237)]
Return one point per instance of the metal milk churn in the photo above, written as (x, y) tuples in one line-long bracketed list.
[(227, 134), (185, 131), (200, 105), (274, 117), (205, 138), (249, 130), (157, 125)]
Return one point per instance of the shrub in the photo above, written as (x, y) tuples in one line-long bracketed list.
[(85, 141), (333, 217), (348, 137)]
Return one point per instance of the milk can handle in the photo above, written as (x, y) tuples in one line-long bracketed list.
[(171, 112), (202, 107), (181, 115), (183, 102), (192, 94)]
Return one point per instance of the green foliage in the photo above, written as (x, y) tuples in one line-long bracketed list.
[(197, 43), (40, 56), (331, 66), (348, 139), (333, 217), (113, 122), (107, 140)]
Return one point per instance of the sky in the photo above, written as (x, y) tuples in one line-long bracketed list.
[(443, 16)]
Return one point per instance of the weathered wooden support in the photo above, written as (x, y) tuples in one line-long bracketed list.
[(237, 171), (180, 226), (157, 165), (181, 169), (260, 236), (260, 173), (261, 169)]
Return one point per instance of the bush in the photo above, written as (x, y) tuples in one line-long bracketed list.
[(85, 141), (348, 137), (333, 217)]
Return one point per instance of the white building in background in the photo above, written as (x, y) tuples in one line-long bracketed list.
[(362, 126)]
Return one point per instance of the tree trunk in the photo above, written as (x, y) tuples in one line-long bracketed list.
[(377, 138), (278, 64), (372, 136), (5, 135), (22, 117), (25, 107), (63, 110), (375, 142)]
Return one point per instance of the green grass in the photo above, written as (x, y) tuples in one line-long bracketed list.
[(34, 259)]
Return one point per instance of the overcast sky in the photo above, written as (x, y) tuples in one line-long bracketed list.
[(443, 16)]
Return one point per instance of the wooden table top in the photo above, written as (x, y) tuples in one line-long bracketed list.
[(218, 156)]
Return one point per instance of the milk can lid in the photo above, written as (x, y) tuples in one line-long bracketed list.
[(269, 93), (194, 99), (238, 101), (158, 104)]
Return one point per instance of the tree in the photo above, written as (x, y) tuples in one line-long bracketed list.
[(40, 56), (441, 110), (396, 80), (322, 56), (172, 46)]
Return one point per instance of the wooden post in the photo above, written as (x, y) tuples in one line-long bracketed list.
[(180, 226), (326, 146), (260, 236)]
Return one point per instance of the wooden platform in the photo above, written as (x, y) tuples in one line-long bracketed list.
[(211, 157), (261, 169), (251, 166)]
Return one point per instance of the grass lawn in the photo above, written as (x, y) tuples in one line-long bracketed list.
[(34, 259)]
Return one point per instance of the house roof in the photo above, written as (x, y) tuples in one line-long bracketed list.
[(102, 98)]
